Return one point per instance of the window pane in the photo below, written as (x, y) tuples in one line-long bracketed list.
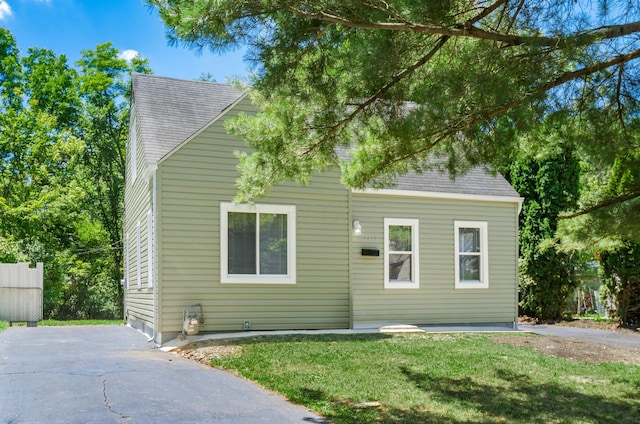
[(400, 238), (400, 267), (469, 239), (273, 244), (242, 243), (469, 268)]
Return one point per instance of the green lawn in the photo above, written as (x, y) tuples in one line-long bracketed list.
[(431, 378), (53, 322)]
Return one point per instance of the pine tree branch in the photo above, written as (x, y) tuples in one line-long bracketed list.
[(467, 29), (480, 117), (377, 95), (488, 10), (556, 82), (397, 78), (605, 204)]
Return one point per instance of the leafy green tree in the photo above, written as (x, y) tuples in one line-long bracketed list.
[(549, 185), (57, 96), (105, 89), (62, 139), (602, 227), (621, 276), (608, 209), (37, 197), (10, 251), (398, 82)]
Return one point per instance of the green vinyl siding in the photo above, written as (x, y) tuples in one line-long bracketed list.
[(193, 181), (335, 286), (436, 301), (139, 302)]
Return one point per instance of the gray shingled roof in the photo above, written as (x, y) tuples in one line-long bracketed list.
[(476, 181), (171, 110)]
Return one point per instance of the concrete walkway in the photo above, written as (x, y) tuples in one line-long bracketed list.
[(613, 338), (111, 374), (400, 328)]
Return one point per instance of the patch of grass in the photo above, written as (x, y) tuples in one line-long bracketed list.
[(53, 322), (3, 325), (435, 378), (594, 317), (58, 323)]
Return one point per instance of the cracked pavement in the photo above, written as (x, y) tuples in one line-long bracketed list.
[(111, 374)]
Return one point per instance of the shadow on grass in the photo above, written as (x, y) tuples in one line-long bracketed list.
[(528, 401), (346, 412), (510, 396), (524, 402)]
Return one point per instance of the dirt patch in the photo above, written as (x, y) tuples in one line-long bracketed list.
[(208, 350), (573, 349), (582, 323), (598, 325)]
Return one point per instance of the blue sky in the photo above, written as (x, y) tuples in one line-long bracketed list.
[(70, 26)]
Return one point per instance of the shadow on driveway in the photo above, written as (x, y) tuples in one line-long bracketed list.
[(110, 374)]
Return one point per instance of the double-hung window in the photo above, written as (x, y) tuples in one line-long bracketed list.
[(401, 258), (257, 243), (471, 259)]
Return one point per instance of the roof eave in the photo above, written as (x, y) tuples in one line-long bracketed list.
[(442, 195)]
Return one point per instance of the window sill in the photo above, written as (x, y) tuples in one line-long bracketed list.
[(471, 285), (401, 285), (256, 280)]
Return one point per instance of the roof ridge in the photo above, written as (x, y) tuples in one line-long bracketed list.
[(141, 74)]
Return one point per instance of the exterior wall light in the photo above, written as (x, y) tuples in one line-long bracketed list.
[(357, 228)]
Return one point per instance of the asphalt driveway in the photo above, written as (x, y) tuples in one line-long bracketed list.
[(612, 338), (111, 374)]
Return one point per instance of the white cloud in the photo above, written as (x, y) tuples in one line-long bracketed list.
[(127, 54), (5, 10)]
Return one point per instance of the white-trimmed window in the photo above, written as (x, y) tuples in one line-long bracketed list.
[(472, 257), (258, 243), (401, 257), (149, 248)]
